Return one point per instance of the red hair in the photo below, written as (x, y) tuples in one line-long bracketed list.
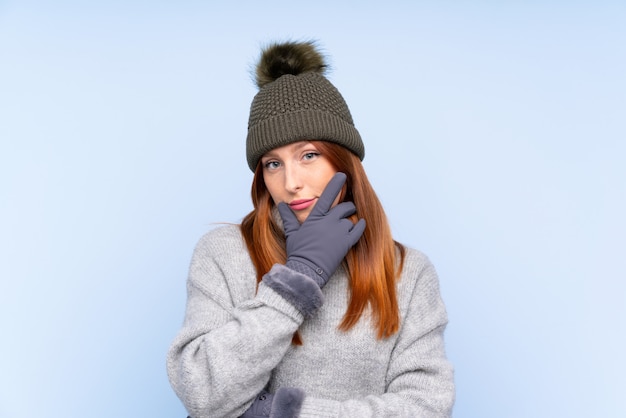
[(373, 264)]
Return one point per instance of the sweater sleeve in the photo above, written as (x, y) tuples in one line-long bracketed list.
[(229, 343), (420, 381)]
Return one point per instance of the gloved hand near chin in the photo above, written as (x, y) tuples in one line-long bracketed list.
[(286, 403), (317, 247)]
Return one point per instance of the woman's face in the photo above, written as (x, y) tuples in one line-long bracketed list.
[(297, 175)]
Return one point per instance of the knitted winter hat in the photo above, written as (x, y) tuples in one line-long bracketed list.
[(296, 102)]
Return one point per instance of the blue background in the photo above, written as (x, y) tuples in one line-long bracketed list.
[(495, 136)]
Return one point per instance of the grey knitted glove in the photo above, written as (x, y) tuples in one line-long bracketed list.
[(317, 247), (286, 403)]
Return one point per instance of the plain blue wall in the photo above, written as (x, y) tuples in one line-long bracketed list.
[(495, 135)]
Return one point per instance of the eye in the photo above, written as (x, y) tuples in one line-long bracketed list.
[(271, 165), (310, 155)]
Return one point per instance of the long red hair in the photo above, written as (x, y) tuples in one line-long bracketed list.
[(373, 264)]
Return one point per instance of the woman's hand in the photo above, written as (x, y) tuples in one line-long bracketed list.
[(317, 247)]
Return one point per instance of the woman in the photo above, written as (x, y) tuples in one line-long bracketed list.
[(309, 308)]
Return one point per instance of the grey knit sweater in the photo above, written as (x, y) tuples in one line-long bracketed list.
[(236, 340)]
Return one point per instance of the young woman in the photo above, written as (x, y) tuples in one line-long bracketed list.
[(309, 308)]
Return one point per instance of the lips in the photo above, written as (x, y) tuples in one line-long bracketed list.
[(301, 204)]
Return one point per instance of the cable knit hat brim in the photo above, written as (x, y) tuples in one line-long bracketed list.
[(299, 126)]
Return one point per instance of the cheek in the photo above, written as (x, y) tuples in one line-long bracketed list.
[(323, 178), (272, 190), (273, 196)]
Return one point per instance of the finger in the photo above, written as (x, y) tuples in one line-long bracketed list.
[(290, 221), (329, 194), (342, 210), (357, 231)]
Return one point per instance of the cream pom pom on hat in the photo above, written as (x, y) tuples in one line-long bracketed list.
[(296, 102)]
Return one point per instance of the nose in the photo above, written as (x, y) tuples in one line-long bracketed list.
[(293, 180)]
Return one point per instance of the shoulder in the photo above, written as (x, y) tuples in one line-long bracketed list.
[(223, 246), (221, 261), (418, 273), (416, 262), (224, 239), (419, 292)]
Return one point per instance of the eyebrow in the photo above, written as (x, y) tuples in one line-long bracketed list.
[(298, 145)]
